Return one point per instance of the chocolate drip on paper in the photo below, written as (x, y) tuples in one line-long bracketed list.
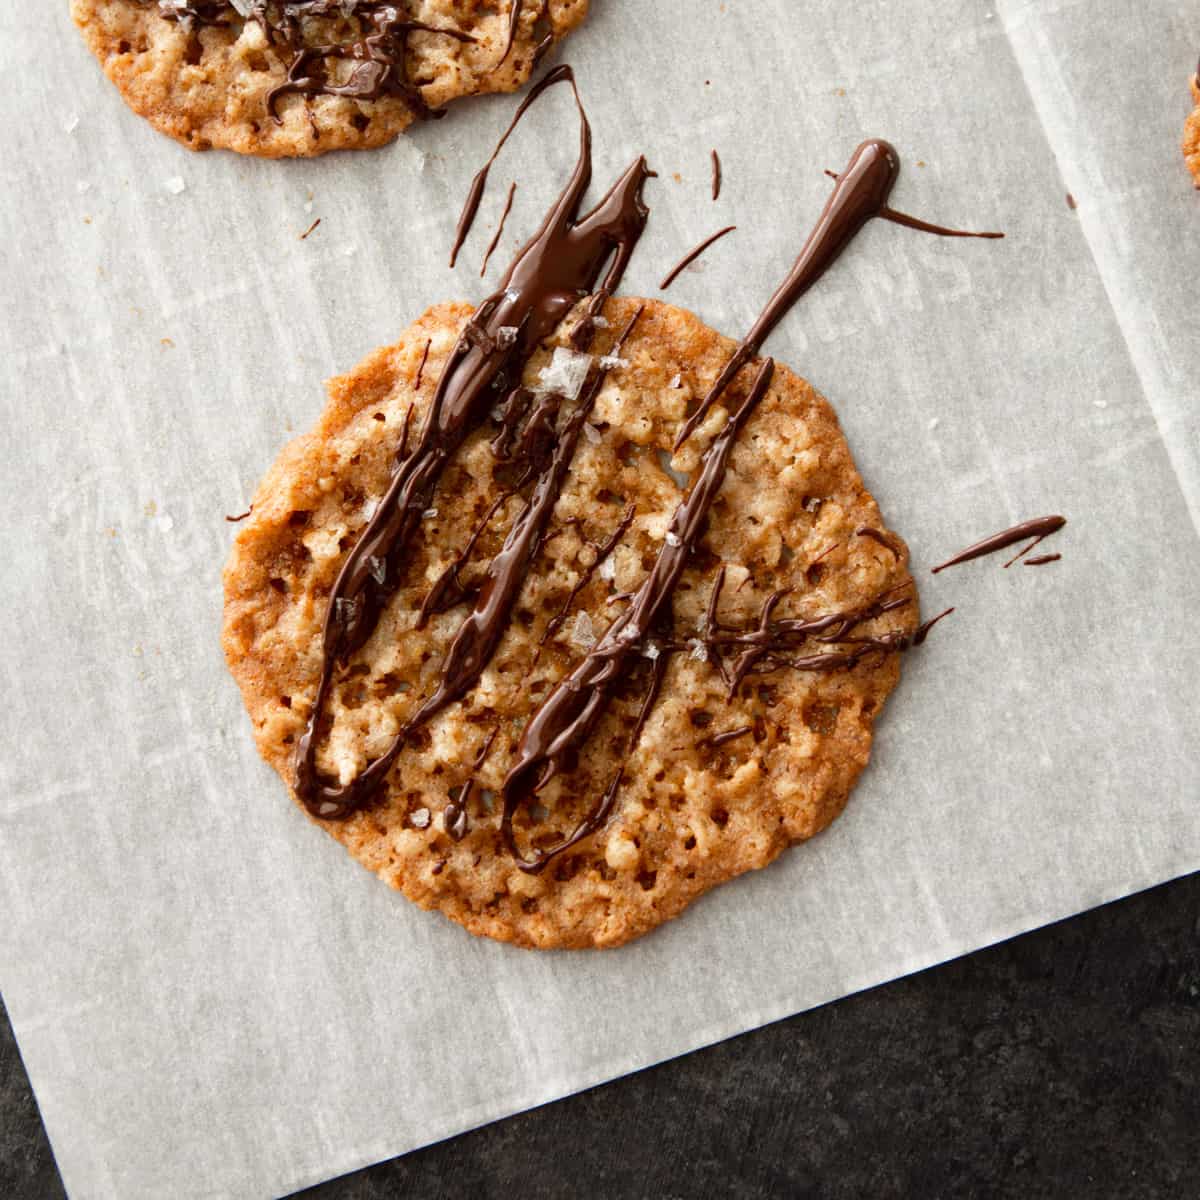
[(508, 202), (570, 257), (862, 192), (716, 175), (479, 184), (691, 256), (1038, 528)]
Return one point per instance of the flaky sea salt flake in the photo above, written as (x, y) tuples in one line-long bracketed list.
[(566, 374), (583, 633)]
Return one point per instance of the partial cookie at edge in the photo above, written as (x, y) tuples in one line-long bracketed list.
[(209, 89)]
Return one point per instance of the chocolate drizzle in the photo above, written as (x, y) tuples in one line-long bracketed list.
[(376, 53), (691, 256), (508, 201), (1037, 529), (571, 711), (478, 186), (861, 193), (570, 257), (573, 257), (716, 175)]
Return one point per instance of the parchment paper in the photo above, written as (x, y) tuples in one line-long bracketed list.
[(211, 998)]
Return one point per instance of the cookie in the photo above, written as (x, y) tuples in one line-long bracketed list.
[(1191, 134), (716, 784), (294, 80)]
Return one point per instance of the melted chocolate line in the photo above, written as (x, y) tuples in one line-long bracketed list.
[(240, 516), (478, 636), (1041, 560), (479, 183), (417, 384), (1021, 553), (448, 589), (512, 189), (311, 229), (559, 265), (1039, 527), (716, 175), (514, 23), (861, 192), (602, 552), (378, 54), (899, 218), (569, 713), (691, 256), (600, 812), (877, 536)]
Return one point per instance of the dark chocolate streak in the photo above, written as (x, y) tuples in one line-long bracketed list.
[(861, 193), (479, 184), (377, 53), (508, 201), (1038, 528), (561, 264), (1042, 560), (716, 175), (571, 711), (691, 256)]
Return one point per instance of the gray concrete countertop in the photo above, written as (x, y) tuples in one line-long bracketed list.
[(1063, 1063)]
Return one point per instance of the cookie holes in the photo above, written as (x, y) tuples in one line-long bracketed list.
[(629, 453), (689, 842), (286, 701), (700, 718), (361, 122), (815, 574), (299, 519), (378, 417), (821, 718), (567, 868), (256, 60), (647, 880), (719, 817), (278, 585)]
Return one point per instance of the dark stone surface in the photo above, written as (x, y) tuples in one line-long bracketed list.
[(1063, 1063)]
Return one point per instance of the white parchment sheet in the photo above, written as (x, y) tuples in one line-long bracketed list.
[(211, 998)]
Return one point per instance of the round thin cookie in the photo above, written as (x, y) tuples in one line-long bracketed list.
[(283, 80), (715, 784)]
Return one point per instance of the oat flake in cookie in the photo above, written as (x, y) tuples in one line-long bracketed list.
[(715, 785), (298, 79)]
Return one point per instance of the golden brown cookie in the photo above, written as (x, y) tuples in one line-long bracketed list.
[(242, 74), (1191, 134), (695, 808)]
